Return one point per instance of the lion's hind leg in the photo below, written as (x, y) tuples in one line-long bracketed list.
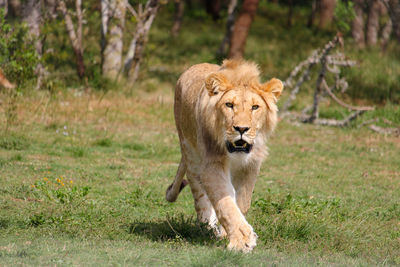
[(179, 183)]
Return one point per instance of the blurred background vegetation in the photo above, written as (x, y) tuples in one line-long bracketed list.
[(38, 52)]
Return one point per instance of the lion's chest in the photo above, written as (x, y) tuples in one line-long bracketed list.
[(239, 161)]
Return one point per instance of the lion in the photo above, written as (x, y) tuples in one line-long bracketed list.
[(4, 82), (223, 115)]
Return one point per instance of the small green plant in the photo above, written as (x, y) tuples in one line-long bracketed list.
[(104, 142), (78, 152), (60, 190), (17, 157), (37, 220), (14, 142), (60, 200)]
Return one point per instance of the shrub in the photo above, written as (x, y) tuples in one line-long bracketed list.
[(18, 57)]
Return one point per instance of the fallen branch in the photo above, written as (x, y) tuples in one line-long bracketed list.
[(339, 123), (329, 64), (296, 89), (389, 122), (311, 60), (381, 130), (340, 60), (368, 122), (340, 102), (318, 89)]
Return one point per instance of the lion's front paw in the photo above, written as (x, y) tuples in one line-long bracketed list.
[(243, 239)]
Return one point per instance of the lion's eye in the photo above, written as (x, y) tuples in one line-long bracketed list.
[(229, 105), (254, 107)]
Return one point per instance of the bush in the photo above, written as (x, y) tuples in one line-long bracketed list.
[(18, 57)]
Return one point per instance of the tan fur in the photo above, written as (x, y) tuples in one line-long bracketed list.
[(4, 82), (211, 100)]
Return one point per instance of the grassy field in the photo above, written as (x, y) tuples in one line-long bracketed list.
[(83, 182), (83, 175)]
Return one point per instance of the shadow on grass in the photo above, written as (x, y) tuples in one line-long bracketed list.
[(175, 228)]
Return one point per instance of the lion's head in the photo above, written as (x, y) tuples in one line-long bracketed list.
[(245, 109)]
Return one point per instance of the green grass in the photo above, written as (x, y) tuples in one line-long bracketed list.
[(93, 192), (83, 176)]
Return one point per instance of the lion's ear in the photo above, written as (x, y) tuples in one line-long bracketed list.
[(215, 83), (274, 86)]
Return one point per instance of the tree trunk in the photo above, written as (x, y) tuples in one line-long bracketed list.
[(393, 7), (32, 17), (105, 14), (386, 32), (179, 10), (51, 8), (327, 10), (79, 16), (241, 28), (311, 18), (373, 22), (76, 40), (213, 7), (14, 8), (136, 48), (229, 28), (358, 23), (31, 13), (112, 53), (290, 13)]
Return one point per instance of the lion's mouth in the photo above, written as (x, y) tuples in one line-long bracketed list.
[(238, 146)]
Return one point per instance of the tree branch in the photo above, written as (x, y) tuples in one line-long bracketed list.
[(136, 47), (339, 123), (381, 130), (321, 76), (340, 102), (76, 45)]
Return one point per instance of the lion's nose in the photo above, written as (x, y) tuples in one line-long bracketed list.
[(240, 129)]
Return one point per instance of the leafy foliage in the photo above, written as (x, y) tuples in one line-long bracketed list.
[(344, 15), (59, 191), (18, 57)]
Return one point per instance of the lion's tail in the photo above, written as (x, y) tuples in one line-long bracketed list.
[(179, 183)]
